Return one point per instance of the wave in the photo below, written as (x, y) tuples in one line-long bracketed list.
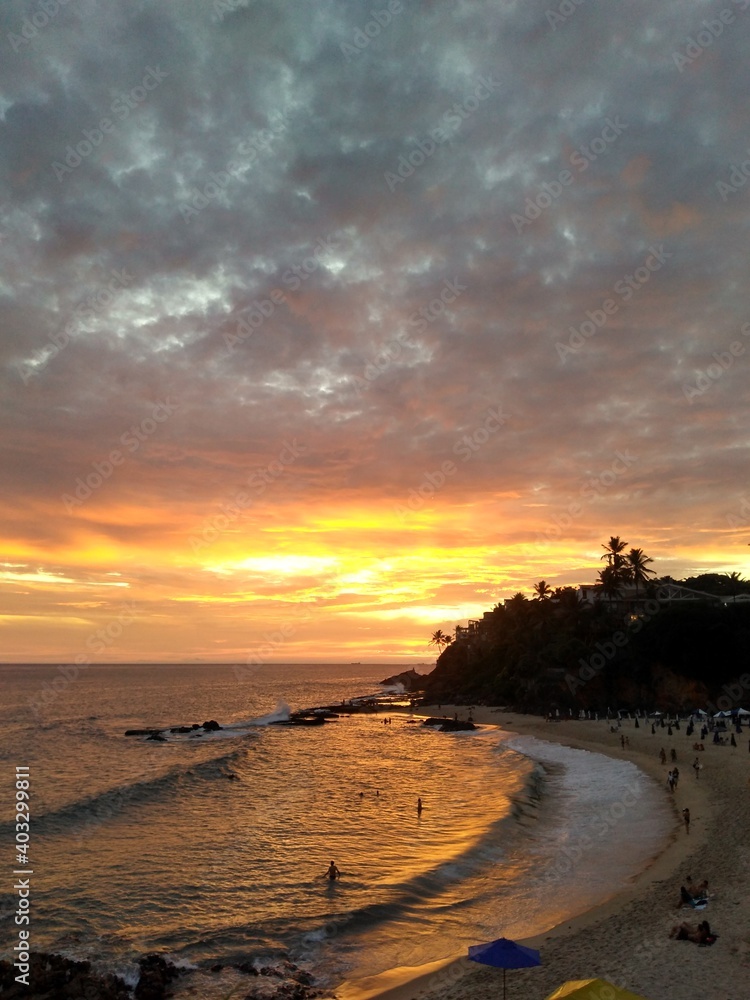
[(84, 813)]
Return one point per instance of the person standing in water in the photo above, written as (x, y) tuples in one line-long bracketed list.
[(333, 873), (419, 807)]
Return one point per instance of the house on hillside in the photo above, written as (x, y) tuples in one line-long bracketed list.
[(633, 600)]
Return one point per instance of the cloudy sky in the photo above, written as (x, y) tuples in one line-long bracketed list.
[(327, 323)]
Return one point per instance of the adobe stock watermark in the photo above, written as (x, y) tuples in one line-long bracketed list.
[(591, 490), (738, 176), (449, 123), (723, 361), (732, 696), (87, 484), (466, 447), (581, 159), (262, 653), (741, 517), (85, 312), (565, 10), (452, 289), (601, 824), (382, 361), (608, 650), (625, 288), (96, 643), (258, 481), (32, 24), (435, 308), (259, 310), (707, 35), (219, 180), (363, 36), (122, 107)]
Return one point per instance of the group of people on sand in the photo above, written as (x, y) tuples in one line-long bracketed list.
[(693, 896)]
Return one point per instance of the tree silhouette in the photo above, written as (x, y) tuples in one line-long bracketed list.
[(440, 639), (637, 565)]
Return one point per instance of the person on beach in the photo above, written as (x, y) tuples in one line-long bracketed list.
[(676, 776), (663, 755), (333, 873), (419, 807), (673, 755), (732, 740), (685, 932), (686, 819), (699, 891), (685, 898), (697, 768)]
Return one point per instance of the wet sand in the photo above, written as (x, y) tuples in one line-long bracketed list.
[(626, 939)]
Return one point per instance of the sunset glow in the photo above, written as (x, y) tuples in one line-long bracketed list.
[(362, 344)]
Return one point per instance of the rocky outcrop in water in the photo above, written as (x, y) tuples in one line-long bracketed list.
[(156, 975), (410, 680), (449, 725), (52, 977)]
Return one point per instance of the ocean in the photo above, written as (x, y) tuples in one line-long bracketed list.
[(213, 848)]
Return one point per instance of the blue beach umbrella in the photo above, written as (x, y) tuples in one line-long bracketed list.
[(504, 954)]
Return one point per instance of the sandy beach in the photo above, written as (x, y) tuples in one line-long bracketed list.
[(626, 939)]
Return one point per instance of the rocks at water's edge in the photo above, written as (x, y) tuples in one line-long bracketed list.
[(211, 726), (55, 976), (449, 725), (52, 977), (156, 975), (409, 679)]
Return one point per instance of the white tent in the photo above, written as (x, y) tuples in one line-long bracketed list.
[(742, 711)]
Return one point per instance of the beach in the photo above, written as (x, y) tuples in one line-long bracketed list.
[(626, 940)]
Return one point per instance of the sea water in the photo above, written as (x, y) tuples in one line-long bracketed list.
[(213, 847)]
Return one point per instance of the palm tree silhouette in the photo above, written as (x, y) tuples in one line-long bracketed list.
[(637, 566), (542, 590), (440, 639), (615, 559)]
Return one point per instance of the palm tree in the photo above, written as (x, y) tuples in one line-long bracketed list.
[(440, 639), (637, 565), (542, 590), (735, 582), (615, 559), (610, 580)]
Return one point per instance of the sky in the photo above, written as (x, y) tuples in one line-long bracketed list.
[(326, 324)]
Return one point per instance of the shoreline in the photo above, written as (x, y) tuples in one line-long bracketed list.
[(625, 939)]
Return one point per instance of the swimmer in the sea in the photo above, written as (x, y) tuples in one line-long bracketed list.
[(333, 873)]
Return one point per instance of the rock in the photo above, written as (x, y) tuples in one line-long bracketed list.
[(451, 726), (409, 679), (142, 732), (181, 729), (249, 968), (212, 726), (156, 974), (157, 737), (448, 725), (54, 976), (216, 968)]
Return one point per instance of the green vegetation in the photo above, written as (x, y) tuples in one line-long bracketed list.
[(640, 643)]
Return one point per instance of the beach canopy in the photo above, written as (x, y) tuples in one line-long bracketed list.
[(742, 711), (592, 989), (504, 954)]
